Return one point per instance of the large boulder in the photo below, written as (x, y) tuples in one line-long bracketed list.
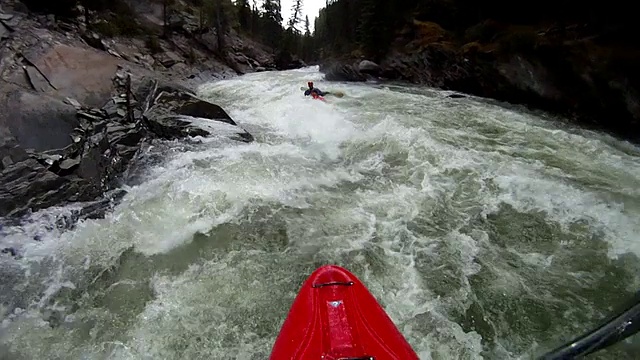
[(369, 67), (577, 80), (342, 71), (36, 121), (173, 112), (88, 149), (83, 74)]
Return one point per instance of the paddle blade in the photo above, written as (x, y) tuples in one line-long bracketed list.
[(337, 93)]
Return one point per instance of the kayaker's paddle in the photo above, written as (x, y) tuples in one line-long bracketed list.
[(336, 93), (618, 328)]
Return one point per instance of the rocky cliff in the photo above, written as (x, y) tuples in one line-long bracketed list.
[(568, 71), (78, 106)]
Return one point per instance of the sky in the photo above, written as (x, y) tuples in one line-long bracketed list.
[(309, 7)]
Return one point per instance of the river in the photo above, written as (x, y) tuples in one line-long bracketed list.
[(486, 232)]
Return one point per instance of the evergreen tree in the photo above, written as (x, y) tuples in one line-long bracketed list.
[(295, 17), (307, 32), (272, 10), (244, 14)]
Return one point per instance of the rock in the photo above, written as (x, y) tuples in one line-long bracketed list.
[(10, 151), (286, 61), (173, 112), (6, 161), (456, 96), (168, 59), (4, 31), (36, 80), (572, 79), (75, 72), (11, 251), (9, 21), (94, 40), (73, 102), (36, 121), (5, 17), (369, 67), (204, 109), (337, 71), (28, 184), (92, 210), (65, 138), (68, 164)]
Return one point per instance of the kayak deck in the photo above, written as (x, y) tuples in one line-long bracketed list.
[(335, 317)]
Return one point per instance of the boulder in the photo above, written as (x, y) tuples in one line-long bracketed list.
[(173, 112), (83, 74), (36, 121), (369, 67), (343, 72)]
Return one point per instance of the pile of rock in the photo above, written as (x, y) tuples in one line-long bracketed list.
[(101, 146)]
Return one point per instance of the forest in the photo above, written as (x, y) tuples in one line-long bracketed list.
[(372, 27), (261, 20)]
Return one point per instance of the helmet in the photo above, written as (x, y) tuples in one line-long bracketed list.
[(310, 83)]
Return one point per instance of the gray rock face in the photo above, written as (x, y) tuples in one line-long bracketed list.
[(71, 126), (35, 121), (169, 113), (56, 154)]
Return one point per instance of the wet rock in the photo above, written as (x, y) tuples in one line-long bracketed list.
[(65, 137), (73, 102), (36, 121), (171, 112), (9, 250), (369, 67), (36, 80), (94, 40), (29, 184), (4, 31), (75, 72), (456, 96), (69, 164), (337, 71), (168, 59), (6, 161)]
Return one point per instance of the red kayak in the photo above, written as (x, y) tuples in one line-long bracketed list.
[(335, 317), (317, 97)]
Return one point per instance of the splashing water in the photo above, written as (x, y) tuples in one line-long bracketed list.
[(484, 231)]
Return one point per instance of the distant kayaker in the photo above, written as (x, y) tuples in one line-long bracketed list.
[(312, 90)]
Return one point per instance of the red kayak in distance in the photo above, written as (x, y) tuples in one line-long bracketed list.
[(335, 317)]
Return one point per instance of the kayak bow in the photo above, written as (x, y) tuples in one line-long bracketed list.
[(335, 317)]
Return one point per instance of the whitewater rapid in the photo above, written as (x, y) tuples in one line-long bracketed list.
[(485, 231)]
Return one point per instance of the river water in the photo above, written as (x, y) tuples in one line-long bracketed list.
[(486, 232)]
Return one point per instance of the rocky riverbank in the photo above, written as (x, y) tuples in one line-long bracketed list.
[(570, 71), (78, 106)]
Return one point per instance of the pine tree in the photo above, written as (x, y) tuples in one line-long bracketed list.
[(295, 17), (307, 32), (244, 14), (273, 10), (271, 23)]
